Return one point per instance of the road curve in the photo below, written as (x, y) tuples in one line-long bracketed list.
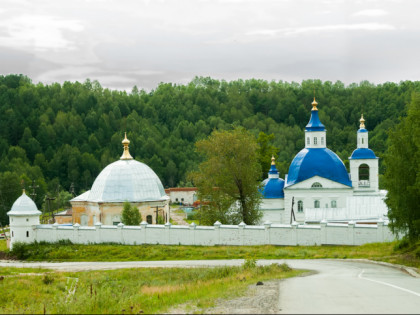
[(338, 287)]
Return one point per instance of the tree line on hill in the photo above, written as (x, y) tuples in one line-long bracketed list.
[(53, 136)]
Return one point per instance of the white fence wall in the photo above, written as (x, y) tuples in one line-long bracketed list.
[(274, 234)]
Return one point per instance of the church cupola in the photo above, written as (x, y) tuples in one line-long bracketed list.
[(315, 133), (364, 163), (362, 135), (126, 154), (273, 185), (273, 172)]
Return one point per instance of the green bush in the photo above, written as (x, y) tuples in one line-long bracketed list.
[(20, 250), (250, 263), (192, 215)]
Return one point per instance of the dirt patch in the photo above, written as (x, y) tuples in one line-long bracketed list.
[(259, 299), (7, 256)]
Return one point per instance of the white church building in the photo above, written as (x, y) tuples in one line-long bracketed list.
[(318, 186)]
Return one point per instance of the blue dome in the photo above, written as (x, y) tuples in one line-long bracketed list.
[(363, 153), (317, 162), (362, 130), (314, 123), (273, 188)]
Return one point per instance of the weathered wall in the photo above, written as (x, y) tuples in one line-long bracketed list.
[(275, 234)]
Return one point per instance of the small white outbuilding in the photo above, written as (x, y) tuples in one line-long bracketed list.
[(23, 217)]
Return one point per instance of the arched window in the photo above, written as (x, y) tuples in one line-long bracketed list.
[(300, 206), (308, 141), (315, 140), (316, 185), (149, 219), (364, 172), (333, 203), (316, 204), (27, 233), (362, 140), (322, 140)]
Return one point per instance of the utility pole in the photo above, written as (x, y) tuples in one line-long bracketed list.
[(33, 187), (292, 214), (48, 199), (157, 214), (72, 190)]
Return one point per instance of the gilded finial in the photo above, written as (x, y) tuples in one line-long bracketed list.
[(273, 160), (314, 104), (126, 154), (23, 191), (362, 123)]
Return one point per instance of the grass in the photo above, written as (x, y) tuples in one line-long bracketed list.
[(394, 252), (12, 271), (128, 291)]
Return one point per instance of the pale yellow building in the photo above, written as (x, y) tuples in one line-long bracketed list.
[(123, 180)]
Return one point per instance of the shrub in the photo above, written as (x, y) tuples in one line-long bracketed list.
[(20, 250), (47, 279), (250, 263)]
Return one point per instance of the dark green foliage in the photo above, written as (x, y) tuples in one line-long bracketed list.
[(20, 251), (61, 134), (402, 176)]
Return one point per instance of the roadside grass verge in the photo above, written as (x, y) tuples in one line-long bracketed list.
[(12, 271), (398, 252), (131, 291)]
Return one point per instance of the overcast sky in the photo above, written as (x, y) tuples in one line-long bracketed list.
[(126, 43)]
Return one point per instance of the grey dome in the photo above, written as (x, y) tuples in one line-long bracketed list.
[(24, 206), (127, 180)]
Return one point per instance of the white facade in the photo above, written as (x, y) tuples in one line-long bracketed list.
[(320, 187), (23, 217)]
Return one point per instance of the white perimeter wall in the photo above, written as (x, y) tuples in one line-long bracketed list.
[(275, 234)]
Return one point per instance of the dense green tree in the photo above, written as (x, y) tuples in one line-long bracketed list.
[(265, 151), (402, 175), (130, 214), (229, 177)]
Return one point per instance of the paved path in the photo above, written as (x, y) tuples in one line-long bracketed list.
[(339, 286)]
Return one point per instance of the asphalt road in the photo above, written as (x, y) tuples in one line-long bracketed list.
[(338, 287)]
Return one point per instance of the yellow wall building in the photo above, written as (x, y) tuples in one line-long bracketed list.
[(121, 181)]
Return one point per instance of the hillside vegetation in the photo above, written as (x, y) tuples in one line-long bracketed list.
[(63, 134)]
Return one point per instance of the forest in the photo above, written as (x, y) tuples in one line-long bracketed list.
[(56, 138)]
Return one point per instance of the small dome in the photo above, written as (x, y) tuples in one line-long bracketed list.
[(363, 153), (24, 206), (317, 162), (362, 130), (127, 180), (314, 123), (273, 188)]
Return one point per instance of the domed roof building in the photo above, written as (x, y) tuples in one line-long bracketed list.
[(24, 206), (121, 181), (273, 193), (318, 185), (273, 185)]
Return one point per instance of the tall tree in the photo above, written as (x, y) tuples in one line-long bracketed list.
[(402, 175), (229, 177)]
